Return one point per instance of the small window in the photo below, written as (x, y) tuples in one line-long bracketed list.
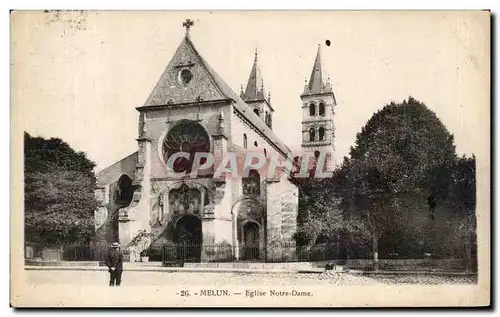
[(321, 109), (321, 134), (255, 143), (245, 141), (265, 153), (251, 184), (312, 110), (256, 111), (312, 133), (185, 76), (316, 154)]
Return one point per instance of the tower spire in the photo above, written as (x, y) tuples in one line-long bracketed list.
[(318, 128), (255, 85), (316, 82)]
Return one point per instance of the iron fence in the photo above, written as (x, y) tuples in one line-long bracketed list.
[(174, 253), (178, 254), (66, 252), (186, 252)]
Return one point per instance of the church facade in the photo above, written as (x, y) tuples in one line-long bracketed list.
[(192, 110)]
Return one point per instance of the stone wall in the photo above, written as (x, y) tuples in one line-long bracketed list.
[(239, 127), (274, 219), (282, 210), (106, 186), (223, 230), (289, 211)]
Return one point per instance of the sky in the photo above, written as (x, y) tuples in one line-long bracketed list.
[(79, 76)]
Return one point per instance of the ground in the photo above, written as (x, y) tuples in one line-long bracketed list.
[(167, 289), (135, 278)]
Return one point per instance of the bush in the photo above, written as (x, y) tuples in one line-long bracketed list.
[(303, 238), (323, 252)]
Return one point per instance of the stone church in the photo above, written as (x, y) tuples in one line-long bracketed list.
[(191, 109)]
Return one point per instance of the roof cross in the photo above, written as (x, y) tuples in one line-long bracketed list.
[(187, 24)]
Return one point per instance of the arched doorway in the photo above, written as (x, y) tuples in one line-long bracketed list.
[(249, 228), (251, 241), (188, 238), (122, 193)]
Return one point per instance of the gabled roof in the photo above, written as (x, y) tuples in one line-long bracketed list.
[(207, 85), (110, 174)]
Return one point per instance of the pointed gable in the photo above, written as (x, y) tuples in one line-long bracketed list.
[(188, 78), (204, 85), (255, 85)]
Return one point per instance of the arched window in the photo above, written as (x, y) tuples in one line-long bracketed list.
[(251, 184), (316, 154), (321, 109), (265, 153), (256, 111), (312, 133), (312, 110), (321, 134), (245, 144), (255, 143)]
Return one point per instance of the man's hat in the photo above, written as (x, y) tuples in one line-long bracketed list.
[(115, 245)]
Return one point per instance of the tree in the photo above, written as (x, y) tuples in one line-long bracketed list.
[(464, 198), (43, 155), (322, 221), (59, 192), (404, 150), (316, 204)]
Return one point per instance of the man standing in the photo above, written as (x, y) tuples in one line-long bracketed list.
[(114, 261)]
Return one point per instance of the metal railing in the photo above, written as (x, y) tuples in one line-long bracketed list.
[(66, 251), (175, 253), (178, 254), (185, 252)]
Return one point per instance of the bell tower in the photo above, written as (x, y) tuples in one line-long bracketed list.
[(318, 111), (255, 95)]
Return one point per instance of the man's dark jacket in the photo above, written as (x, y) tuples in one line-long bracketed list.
[(114, 258)]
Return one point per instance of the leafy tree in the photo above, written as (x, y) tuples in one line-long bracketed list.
[(321, 219), (464, 185), (403, 151), (316, 203), (59, 192), (464, 199)]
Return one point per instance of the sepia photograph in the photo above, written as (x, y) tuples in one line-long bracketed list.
[(250, 158)]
